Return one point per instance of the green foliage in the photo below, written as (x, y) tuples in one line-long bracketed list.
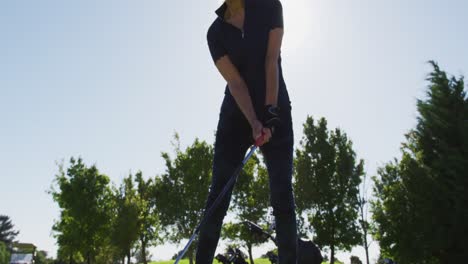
[(261, 261), (7, 234), (126, 226), (250, 202), (108, 254), (140, 258), (364, 223), (327, 178), (136, 219), (67, 252), (336, 262), (182, 261), (149, 225), (250, 197), (100, 224), (186, 261), (420, 211), (41, 258), (85, 201), (394, 214), (182, 190), (4, 253)]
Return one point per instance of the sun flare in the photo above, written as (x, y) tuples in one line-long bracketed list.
[(297, 23)]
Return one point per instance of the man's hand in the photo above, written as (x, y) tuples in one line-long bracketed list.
[(270, 118), (258, 131)]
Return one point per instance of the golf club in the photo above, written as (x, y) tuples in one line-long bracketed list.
[(228, 185)]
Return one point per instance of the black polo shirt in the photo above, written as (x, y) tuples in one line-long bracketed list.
[(247, 48)]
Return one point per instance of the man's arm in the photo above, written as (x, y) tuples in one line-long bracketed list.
[(237, 87), (240, 92), (271, 66), (271, 113)]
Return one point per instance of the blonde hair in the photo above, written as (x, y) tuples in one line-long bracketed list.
[(233, 7)]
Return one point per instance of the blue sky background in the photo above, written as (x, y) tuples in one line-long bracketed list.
[(111, 81)]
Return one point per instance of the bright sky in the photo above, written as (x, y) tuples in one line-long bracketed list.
[(111, 81)]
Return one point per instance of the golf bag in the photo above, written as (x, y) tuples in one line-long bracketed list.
[(232, 256), (307, 251)]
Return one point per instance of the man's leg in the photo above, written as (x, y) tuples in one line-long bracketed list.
[(230, 148), (279, 160)]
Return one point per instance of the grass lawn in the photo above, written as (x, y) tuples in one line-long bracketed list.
[(257, 261), (186, 261)]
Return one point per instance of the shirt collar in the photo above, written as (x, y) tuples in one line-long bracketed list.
[(221, 10)]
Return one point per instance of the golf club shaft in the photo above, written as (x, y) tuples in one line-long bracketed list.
[(215, 204)]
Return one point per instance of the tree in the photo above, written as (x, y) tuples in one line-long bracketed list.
[(108, 253), (382, 260), (327, 177), (41, 258), (420, 208), (4, 253), (84, 198), (141, 257), (67, 239), (7, 234), (182, 190), (250, 202), (126, 226), (148, 217), (390, 210), (363, 221), (441, 138)]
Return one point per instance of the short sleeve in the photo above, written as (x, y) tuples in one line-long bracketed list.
[(215, 44), (277, 15)]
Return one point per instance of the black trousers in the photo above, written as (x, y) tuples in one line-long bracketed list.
[(233, 138)]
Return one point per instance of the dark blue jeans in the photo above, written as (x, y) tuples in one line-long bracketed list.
[(233, 138)]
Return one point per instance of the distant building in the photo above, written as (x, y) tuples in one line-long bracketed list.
[(23, 253)]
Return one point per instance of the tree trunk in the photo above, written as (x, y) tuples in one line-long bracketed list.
[(364, 229), (249, 246), (71, 259), (366, 248), (143, 251), (123, 260), (128, 257), (332, 246), (332, 254), (88, 258)]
